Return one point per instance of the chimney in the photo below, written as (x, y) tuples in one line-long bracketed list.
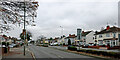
[(108, 27), (69, 34)]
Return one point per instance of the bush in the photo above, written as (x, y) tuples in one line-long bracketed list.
[(72, 48)]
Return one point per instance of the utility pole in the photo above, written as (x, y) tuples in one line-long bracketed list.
[(1, 46)]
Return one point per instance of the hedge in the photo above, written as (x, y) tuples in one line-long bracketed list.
[(110, 54)]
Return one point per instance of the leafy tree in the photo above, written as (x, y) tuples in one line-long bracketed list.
[(63, 35), (69, 42), (28, 35), (51, 38)]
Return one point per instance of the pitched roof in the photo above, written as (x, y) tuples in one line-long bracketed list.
[(85, 33), (112, 29), (56, 38)]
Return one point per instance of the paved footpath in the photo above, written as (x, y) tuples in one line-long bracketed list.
[(17, 54)]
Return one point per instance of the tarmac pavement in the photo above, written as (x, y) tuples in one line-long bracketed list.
[(17, 54)]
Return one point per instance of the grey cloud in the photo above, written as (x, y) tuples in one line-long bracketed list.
[(86, 15), (73, 14)]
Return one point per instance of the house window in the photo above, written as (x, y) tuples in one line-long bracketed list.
[(107, 35), (100, 36), (107, 42), (100, 41), (95, 37)]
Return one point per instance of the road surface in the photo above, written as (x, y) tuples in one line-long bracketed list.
[(45, 52)]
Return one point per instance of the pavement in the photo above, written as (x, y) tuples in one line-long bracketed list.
[(65, 48), (54, 54), (0, 53), (17, 54)]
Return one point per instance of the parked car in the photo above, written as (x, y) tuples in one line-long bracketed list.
[(29, 44), (45, 45), (85, 46), (102, 45), (51, 44), (54, 44), (91, 44), (13, 45)]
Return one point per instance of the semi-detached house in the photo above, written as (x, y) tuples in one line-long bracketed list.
[(109, 36), (87, 37)]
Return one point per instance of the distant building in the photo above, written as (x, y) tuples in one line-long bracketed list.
[(72, 38), (109, 36)]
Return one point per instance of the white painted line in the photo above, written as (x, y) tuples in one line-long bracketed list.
[(32, 54)]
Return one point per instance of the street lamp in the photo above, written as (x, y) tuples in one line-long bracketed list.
[(62, 33), (24, 30), (24, 27), (1, 45), (61, 30)]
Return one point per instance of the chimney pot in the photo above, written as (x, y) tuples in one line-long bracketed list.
[(108, 27)]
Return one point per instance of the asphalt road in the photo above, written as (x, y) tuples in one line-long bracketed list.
[(47, 53)]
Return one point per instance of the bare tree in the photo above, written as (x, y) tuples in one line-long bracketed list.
[(12, 12)]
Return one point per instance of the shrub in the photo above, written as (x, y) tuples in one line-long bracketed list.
[(72, 48)]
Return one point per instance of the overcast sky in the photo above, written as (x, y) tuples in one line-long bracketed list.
[(73, 14)]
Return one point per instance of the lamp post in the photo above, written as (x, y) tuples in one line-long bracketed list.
[(62, 33), (1, 45), (24, 26), (61, 30)]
